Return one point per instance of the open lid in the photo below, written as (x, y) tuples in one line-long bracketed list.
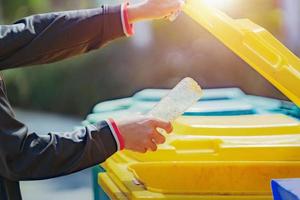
[(254, 44)]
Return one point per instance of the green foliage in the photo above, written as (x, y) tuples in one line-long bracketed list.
[(72, 86), (14, 9), (176, 50)]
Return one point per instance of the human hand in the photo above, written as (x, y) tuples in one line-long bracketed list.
[(154, 9), (140, 133)]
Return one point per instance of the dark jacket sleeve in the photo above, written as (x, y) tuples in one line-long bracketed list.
[(31, 156), (51, 37)]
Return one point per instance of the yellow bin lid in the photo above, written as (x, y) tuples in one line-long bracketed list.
[(254, 44), (248, 125)]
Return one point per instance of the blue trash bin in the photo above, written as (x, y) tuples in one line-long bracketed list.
[(286, 189)]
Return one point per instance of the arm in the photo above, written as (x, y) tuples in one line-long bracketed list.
[(28, 156), (51, 37), (31, 156)]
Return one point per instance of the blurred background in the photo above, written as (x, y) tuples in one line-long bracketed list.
[(157, 56)]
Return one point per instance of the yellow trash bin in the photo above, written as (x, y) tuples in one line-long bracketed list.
[(220, 158), (204, 167)]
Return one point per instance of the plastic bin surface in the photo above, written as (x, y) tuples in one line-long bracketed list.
[(216, 148), (253, 44), (205, 108), (269, 124), (208, 94), (231, 178), (193, 170), (133, 191), (189, 165), (113, 105), (96, 117)]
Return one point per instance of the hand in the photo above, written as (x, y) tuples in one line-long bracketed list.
[(140, 134), (154, 9)]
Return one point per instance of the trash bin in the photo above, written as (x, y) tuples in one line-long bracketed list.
[(199, 167), (221, 157), (220, 165), (248, 125), (113, 105), (208, 95), (96, 117), (206, 108)]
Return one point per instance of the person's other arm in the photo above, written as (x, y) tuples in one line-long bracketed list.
[(46, 38), (30, 156), (51, 37)]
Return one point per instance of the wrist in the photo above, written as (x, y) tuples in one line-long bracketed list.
[(139, 12), (116, 133), (134, 13)]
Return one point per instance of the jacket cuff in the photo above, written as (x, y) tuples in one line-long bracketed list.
[(116, 133), (127, 27), (103, 136), (113, 26)]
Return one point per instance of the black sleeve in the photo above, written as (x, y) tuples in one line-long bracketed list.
[(52, 37), (29, 156)]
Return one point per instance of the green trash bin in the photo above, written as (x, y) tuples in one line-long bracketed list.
[(98, 193), (113, 105), (96, 117), (208, 94)]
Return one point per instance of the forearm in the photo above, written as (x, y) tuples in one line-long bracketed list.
[(51, 37), (30, 156), (26, 156)]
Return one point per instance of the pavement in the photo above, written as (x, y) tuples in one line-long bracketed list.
[(77, 186)]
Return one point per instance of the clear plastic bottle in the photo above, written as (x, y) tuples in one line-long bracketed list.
[(184, 95)]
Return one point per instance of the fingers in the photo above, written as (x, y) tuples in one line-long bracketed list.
[(142, 134), (158, 138), (140, 150), (157, 123), (147, 145), (173, 16), (151, 146), (176, 11), (151, 142), (181, 3)]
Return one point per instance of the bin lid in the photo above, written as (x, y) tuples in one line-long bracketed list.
[(220, 148), (254, 44), (266, 124)]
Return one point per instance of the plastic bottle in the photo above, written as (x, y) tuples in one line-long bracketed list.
[(184, 95)]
